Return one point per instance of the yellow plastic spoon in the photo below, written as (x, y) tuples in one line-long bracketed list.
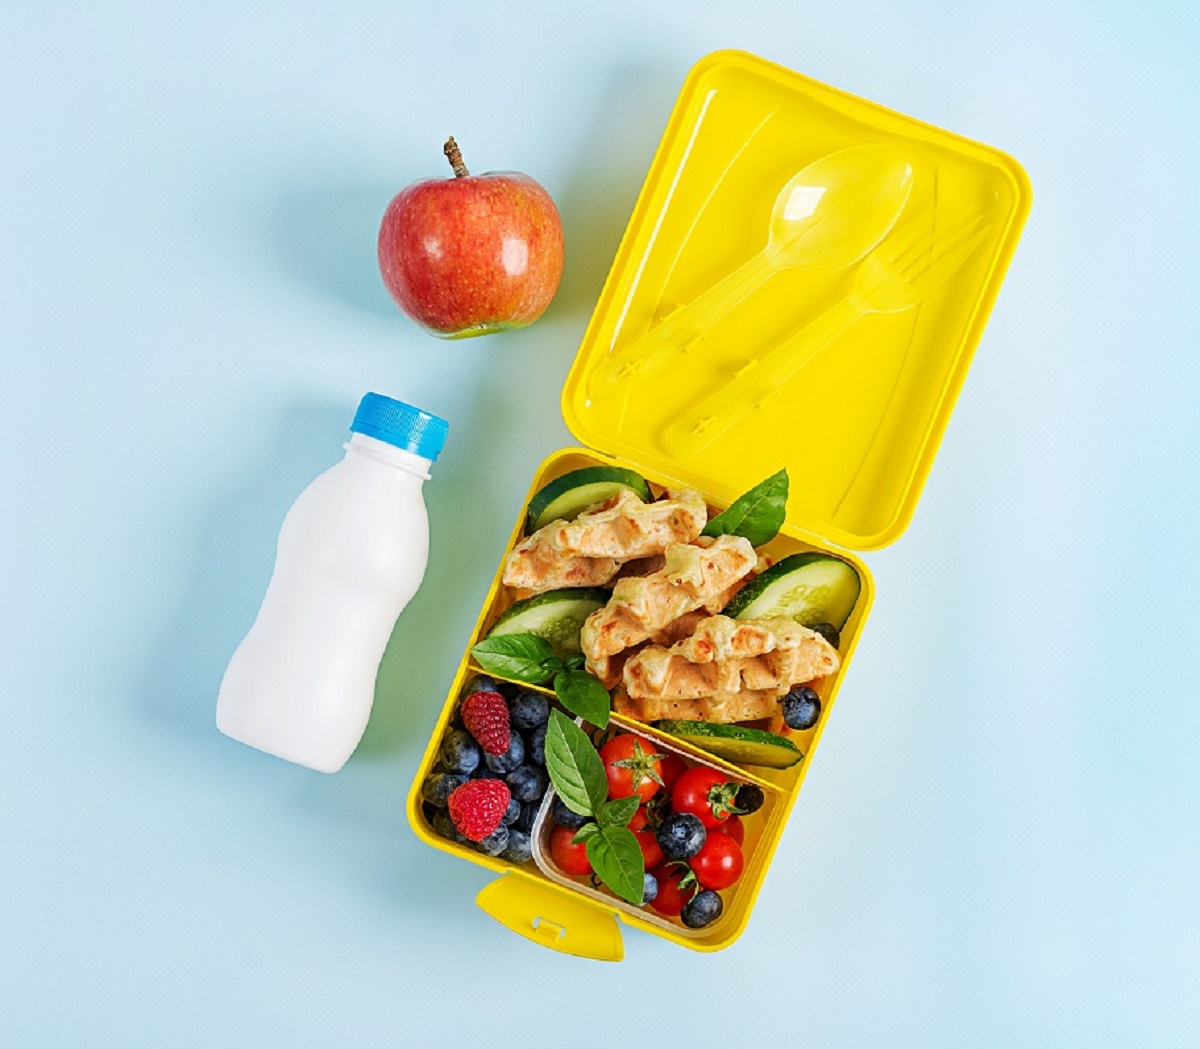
[(826, 217), (898, 275)]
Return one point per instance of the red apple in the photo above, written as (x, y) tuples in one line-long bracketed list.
[(472, 254)]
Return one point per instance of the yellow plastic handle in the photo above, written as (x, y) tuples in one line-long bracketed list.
[(547, 915)]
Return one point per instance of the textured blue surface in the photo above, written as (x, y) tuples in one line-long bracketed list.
[(999, 841), (400, 424)]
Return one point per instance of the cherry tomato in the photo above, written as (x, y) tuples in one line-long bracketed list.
[(735, 829), (673, 767), (632, 766), (571, 858), (671, 897), (719, 864), (640, 825), (705, 793)]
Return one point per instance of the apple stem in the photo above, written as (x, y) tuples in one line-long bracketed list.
[(454, 155)]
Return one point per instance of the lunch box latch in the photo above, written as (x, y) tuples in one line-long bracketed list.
[(548, 917)]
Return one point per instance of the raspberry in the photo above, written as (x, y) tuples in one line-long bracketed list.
[(477, 808), (485, 715)]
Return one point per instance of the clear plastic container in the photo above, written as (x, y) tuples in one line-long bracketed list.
[(733, 898)]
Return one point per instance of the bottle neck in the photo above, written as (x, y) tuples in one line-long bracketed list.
[(389, 454)]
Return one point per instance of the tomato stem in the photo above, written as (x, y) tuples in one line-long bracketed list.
[(642, 766), (454, 155), (722, 799)]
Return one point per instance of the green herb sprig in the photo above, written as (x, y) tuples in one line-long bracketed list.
[(530, 658), (578, 776), (758, 515)]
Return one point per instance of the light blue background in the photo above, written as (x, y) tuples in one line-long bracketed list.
[(998, 843)]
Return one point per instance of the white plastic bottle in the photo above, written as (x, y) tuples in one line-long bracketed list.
[(351, 554)]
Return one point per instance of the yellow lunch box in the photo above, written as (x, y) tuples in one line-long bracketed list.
[(802, 284)]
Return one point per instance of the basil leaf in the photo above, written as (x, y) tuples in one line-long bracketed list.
[(576, 661), (583, 696), (618, 813), (616, 857), (574, 766), (758, 515), (522, 657), (585, 832)]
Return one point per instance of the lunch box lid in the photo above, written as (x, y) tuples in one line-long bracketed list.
[(802, 284)]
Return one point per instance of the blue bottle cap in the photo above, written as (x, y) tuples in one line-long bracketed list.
[(401, 425)]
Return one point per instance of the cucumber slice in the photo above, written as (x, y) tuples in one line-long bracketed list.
[(736, 743), (809, 588), (556, 615), (566, 497)]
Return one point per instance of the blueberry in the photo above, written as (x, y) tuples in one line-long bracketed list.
[(519, 848), (529, 710), (479, 684), (701, 909), (749, 798), (537, 746), (460, 752), (801, 708), (495, 843), (681, 836), (528, 816), (444, 825), (510, 759), (650, 889), (567, 817), (512, 813), (829, 632), (526, 783), (483, 772), (437, 788)]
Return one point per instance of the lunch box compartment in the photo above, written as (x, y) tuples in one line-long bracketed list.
[(737, 899)]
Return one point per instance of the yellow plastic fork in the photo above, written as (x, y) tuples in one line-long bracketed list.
[(896, 276)]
